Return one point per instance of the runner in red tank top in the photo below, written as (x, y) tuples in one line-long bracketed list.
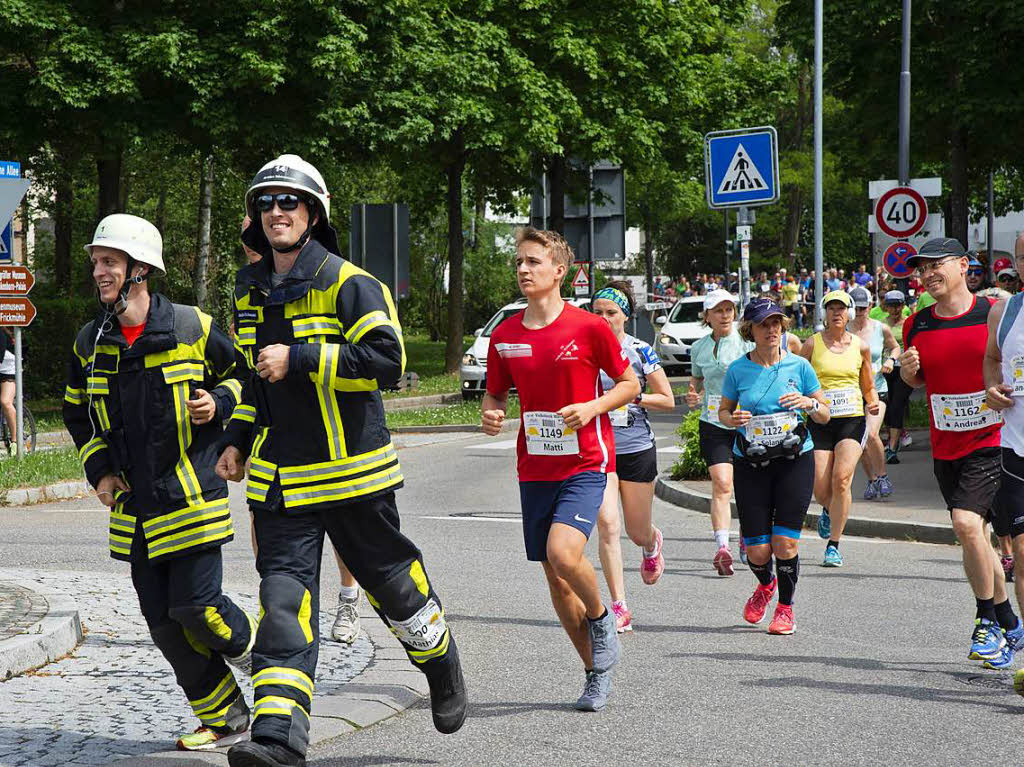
[(945, 352), (553, 354)]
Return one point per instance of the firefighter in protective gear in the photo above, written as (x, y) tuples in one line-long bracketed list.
[(149, 385), (320, 338)]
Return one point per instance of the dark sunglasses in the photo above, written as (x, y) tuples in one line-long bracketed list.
[(284, 200), (975, 272), (1007, 278)]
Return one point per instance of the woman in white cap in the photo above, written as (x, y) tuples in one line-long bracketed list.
[(842, 362), (710, 356), (884, 351)]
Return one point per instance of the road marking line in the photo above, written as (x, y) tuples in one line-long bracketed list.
[(670, 450), (501, 445), (476, 519)]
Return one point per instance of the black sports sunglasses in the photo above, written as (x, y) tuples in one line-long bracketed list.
[(284, 200)]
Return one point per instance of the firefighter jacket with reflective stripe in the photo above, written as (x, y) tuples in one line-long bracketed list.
[(125, 409), (317, 438)]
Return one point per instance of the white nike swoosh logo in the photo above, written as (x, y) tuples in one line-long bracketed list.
[(578, 518)]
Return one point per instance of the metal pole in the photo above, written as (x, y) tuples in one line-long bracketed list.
[(590, 226), (818, 260), (18, 400), (394, 249), (991, 215), (904, 169), (362, 236), (544, 200), (742, 219), (725, 218)]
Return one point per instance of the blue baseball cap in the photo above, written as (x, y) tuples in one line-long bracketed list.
[(760, 309)]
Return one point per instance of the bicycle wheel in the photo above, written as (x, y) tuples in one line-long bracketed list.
[(5, 437), (30, 431)]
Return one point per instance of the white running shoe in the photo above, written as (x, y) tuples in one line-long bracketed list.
[(346, 623)]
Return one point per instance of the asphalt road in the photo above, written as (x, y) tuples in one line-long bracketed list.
[(876, 674)]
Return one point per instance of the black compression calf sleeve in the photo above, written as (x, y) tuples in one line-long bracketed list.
[(789, 572), (763, 572)]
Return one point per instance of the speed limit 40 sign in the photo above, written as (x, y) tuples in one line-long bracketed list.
[(901, 212)]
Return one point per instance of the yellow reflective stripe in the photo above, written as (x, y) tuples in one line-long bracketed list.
[(305, 613), (183, 371), (100, 406), (283, 675), (234, 387), (262, 469), (74, 396), (246, 335), (422, 656), (245, 413), (176, 519), (91, 447), (194, 537), (296, 475), (337, 491), (186, 474), (256, 491), (216, 623), (275, 704), (121, 530), (97, 385), (355, 384), (366, 323), (310, 326), (419, 577), (328, 403), (215, 698), (257, 443), (398, 328)]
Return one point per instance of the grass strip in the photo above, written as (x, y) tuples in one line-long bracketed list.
[(446, 415), (43, 467)]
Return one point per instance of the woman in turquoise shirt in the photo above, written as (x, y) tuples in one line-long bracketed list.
[(709, 358)]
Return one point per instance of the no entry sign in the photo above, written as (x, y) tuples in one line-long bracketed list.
[(895, 259), (901, 212)]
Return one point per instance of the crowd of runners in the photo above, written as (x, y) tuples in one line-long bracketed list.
[(165, 408)]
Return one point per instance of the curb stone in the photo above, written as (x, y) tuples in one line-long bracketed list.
[(678, 494), (405, 403), (508, 425), (386, 687), (59, 491), (57, 633)]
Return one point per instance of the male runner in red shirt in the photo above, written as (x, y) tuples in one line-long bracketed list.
[(553, 354), (945, 351)]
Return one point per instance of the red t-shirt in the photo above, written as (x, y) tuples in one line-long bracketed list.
[(952, 350), (552, 367), (131, 333)]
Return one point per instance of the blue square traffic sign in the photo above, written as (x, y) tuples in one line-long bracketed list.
[(742, 167), (6, 244), (10, 169)]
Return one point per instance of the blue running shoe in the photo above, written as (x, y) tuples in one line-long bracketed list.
[(891, 456), (832, 557), (884, 486), (871, 490), (987, 640), (1003, 660), (1015, 636), (824, 525)]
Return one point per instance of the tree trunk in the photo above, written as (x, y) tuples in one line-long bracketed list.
[(556, 185), (64, 197), (958, 206), (794, 215), (453, 349), (108, 172), (648, 260), (206, 178)]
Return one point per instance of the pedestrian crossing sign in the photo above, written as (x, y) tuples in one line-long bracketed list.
[(6, 244), (741, 167)]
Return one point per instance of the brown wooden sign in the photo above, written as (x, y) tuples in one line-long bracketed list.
[(16, 312), (15, 280)]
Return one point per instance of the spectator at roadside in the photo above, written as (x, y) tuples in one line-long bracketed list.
[(862, 277), (7, 378), (1008, 280), (832, 281), (791, 300)]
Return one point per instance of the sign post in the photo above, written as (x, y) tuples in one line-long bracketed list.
[(12, 190), (742, 171), (581, 282)]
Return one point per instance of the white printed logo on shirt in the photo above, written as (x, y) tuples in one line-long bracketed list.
[(568, 351), (514, 350)]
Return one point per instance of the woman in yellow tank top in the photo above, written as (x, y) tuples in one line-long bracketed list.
[(842, 362)]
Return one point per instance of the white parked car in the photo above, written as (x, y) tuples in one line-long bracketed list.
[(473, 371), (678, 332)]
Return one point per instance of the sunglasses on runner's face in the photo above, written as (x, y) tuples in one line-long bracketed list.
[(976, 272), (284, 200)]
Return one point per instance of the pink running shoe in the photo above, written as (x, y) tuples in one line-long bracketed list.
[(783, 622), (623, 617), (758, 603), (652, 567), (723, 561)]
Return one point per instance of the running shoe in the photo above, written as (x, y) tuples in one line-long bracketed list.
[(871, 490), (346, 623), (891, 456), (758, 603), (604, 642), (824, 524), (905, 439), (782, 621), (595, 691), (832, 557), (651, 568), (987, 640), (723, 561), (207, 738), (743, 551), (1003, 660), (1007, 563), (623, 617), (1015, 636), (884, 486)]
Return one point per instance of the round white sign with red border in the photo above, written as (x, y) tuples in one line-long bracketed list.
[(901, 212)]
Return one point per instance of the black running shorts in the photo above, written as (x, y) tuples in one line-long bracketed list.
[(637, 467), (715, 443), (827, 436), (971, 482), (1009, 503), (773, 499)]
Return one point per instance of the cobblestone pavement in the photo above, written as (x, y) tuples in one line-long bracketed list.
[(19, 609), (115, 695)]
